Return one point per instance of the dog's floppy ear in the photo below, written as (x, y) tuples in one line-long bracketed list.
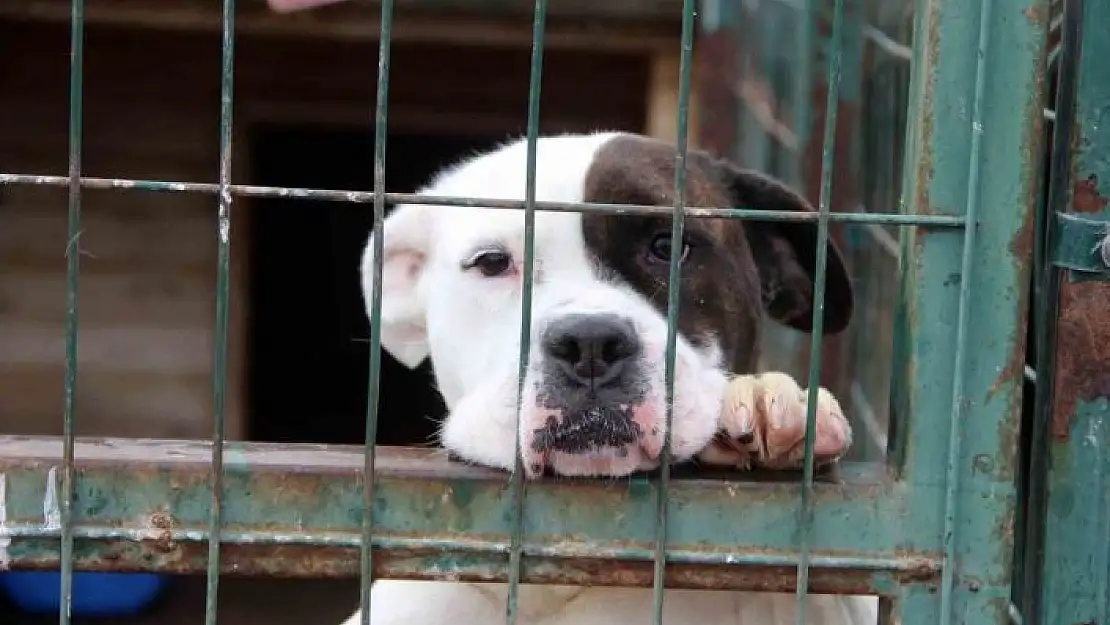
[(406, 245), (786, 254)]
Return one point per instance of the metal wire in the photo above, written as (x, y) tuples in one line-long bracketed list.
[(373, 393), (518, 479), (814, 378), (223, 275), (73, 255), (472, 546), (673, 302), (586, 208)]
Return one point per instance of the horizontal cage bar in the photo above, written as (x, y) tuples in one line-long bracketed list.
[(366, 197), (144, 505)]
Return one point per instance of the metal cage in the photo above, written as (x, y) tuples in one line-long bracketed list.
[(933, 117)]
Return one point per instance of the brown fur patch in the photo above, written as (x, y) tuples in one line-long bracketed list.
[(734, 271)]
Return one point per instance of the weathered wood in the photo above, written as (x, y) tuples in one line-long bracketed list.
[(128, 404), (176, 299), (148, 265), (662, 99)]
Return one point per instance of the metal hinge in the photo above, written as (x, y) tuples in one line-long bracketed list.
[(1082, 246)]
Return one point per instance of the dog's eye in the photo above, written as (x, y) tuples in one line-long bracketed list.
[(661, 248), (491, 263)]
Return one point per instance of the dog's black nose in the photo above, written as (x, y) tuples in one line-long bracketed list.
[(591, 349)]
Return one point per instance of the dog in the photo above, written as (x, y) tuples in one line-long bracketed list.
[(593, 396)]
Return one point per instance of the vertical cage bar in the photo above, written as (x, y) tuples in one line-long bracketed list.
[(373, 383), (73, 258), (832, 101), (971, 210), (678, 223), (223, 275), (535, 81)]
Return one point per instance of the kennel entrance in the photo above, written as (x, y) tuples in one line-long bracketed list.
[(309, 353)]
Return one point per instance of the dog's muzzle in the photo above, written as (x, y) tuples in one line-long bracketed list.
[(593, 381)]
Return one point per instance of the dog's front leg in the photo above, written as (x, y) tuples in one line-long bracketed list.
[(763, 423)]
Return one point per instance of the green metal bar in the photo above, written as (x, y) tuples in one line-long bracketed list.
[(814, 378), (923, 565), (674, 276), (753, 214), (967, 267), (978, 87), (517, 479), (285, 495), (223, 278), (918, 605), (73, 261), (1073, 405), (373, 382)]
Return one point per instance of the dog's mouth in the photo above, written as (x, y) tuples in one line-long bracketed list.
[(596, 427), (597, 439)]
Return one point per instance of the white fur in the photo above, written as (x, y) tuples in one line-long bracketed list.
[(406, 602), (469, 324)]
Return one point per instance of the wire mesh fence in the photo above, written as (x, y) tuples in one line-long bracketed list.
[(928, 527)]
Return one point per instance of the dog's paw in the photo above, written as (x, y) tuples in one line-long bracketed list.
[(763, 424)]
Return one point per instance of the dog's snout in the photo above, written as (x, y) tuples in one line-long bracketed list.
[(591, 349)]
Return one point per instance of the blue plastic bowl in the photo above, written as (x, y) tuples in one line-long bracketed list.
[(94, 594)]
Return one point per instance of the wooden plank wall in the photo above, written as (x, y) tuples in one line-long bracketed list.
[(148, 263)]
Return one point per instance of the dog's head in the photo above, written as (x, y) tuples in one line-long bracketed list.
[(593, 400)]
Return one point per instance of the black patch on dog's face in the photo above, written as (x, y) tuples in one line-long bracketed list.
[(733, 271), (603, 425)]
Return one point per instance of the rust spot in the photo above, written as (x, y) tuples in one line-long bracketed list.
[(1082, 351), (302, 561), (161, 520), (1005, 529), (923, 167), (1021, 251), (1085, 196), (1011, 376), (1021, 244)]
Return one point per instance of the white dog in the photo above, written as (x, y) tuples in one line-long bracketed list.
[(593, 400)]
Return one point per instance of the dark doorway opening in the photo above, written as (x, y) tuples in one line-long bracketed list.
[(308, 331)]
